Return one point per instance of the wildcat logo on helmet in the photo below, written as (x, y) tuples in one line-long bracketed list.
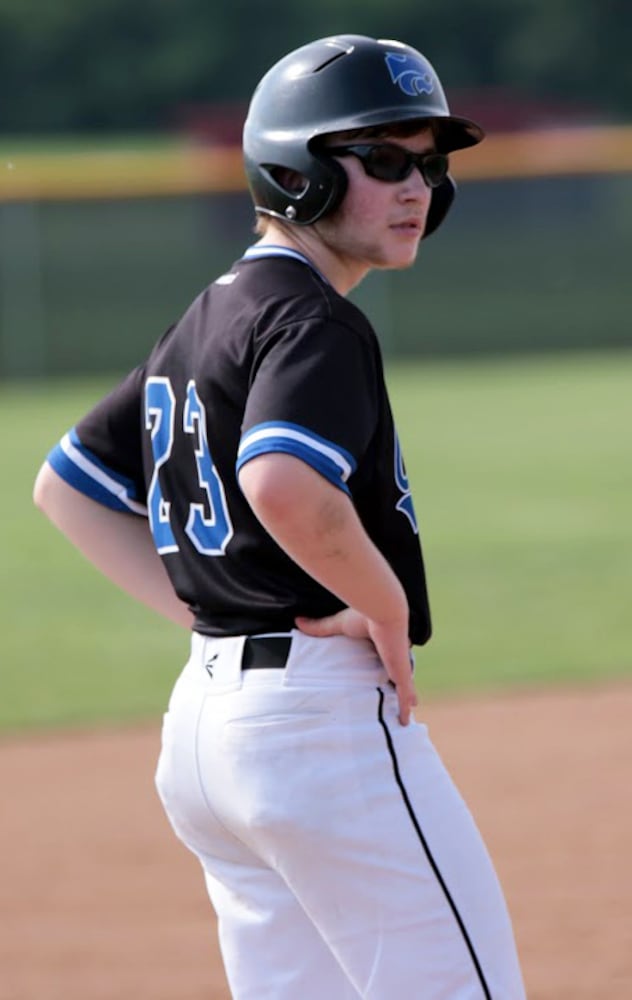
[(409, 74)]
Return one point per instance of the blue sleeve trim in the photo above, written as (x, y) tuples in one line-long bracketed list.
[(126, 483), (334, 463), (82, 470)]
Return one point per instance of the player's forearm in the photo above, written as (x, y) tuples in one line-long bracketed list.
[(119, 545), (317, 525)]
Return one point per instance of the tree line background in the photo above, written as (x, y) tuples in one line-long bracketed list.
[(77, 66)]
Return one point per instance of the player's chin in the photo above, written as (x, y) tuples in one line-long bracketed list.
[(403, 255)]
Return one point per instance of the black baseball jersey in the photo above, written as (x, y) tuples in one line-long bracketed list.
[(269, 358)]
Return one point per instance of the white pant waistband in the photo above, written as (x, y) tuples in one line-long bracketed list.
[(329, 660)]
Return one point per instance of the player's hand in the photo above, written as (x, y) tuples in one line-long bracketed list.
[(391, 643)]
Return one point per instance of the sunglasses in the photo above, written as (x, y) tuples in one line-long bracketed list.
[(387, 162)]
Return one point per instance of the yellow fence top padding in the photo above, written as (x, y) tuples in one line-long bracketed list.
[(546, 152), (129, 173), (120, 173)]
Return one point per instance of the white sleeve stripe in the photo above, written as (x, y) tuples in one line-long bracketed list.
[(314, 444), (110, 484)]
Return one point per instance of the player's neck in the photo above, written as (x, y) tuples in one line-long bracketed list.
[(343, 275)]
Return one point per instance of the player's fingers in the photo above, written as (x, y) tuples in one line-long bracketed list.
[(391, 642), (399, 669), (404, 712), (407, 699)]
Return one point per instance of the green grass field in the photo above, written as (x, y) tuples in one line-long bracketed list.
[(522, 476)]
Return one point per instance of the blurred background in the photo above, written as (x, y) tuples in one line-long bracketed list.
[(509, 357), (122, 192), (509, 344)]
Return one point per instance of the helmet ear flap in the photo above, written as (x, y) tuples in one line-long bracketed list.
[(334, 188), (442, 198), (325, 187)]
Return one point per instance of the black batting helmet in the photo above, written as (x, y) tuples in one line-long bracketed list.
[(333, 85)]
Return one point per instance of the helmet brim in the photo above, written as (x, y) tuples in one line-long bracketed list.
[(451, 132), (456, 133)]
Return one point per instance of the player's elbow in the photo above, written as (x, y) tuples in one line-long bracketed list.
[(41, 487), (46, 490)]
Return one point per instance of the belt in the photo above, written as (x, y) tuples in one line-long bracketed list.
[(266, 652)]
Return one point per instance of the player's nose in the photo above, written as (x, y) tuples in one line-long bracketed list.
[(415, 188)]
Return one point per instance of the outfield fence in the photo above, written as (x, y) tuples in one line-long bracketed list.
[(101, 250)]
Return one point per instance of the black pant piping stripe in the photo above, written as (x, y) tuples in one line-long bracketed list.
[(426, 848)]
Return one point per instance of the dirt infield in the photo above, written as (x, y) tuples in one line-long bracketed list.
[(99, 901)]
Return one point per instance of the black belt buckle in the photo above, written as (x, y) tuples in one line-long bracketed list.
[(266, 652)]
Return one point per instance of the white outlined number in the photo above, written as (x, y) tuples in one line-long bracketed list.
[(210, 534), (208, 526), (160, 410)]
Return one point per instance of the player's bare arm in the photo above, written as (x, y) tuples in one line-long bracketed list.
[(318, 527), (119, 545)]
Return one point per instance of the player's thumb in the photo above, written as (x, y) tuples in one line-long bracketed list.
[(318, 626)]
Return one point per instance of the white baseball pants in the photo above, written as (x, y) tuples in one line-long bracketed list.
[(340, 859)]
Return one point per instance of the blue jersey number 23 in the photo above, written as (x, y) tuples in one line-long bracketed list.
[(208, 525)]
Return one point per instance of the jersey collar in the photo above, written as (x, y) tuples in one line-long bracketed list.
[(271, 250)]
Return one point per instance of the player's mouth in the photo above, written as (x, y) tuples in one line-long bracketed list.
[(408, 227)]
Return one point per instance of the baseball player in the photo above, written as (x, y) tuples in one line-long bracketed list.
[(247, 482)]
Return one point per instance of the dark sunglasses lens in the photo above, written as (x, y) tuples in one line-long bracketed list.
[(388, 163), (435, 169), (392, 163)]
